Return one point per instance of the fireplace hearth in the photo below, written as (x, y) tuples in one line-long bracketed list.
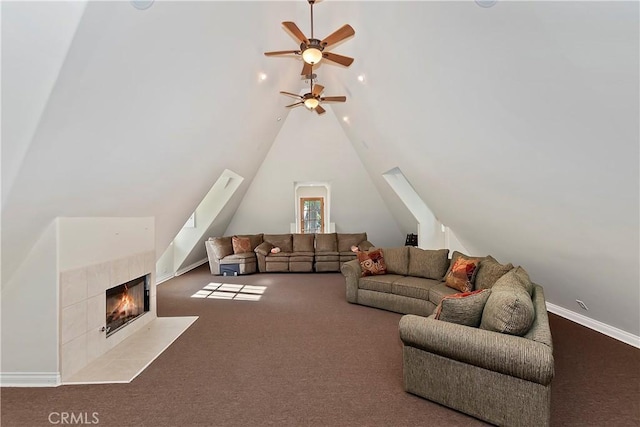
[(125, 303)]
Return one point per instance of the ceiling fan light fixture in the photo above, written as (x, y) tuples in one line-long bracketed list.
[(311, 103), (312, 55)]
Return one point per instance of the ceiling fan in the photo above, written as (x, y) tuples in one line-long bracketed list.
[(311, 49), (312, 100)]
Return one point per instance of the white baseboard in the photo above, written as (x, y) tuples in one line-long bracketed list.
[(603, 328), (192, 266), (30, 379), (188, 268), (164, 278)]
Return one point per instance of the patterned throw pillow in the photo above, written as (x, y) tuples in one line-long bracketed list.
[(461, 273), (241, 245), (372, 263), (463, 309)]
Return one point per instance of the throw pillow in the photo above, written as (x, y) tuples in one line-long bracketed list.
[(508, 310), (275, 250), (241, 245), (464, 309), (354, 248), (489, 271), (454, 257), (461, 274), (372, 263)]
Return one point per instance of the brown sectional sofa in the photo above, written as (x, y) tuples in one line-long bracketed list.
[(298, 252), (492, 370)]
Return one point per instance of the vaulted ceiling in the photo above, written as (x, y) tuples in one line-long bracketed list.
[(516, 124)]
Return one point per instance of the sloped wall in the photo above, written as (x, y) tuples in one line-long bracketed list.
[(314, 148)]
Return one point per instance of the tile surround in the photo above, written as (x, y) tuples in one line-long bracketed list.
[(83, 309)]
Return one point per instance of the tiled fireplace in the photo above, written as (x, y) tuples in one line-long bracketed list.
[(101, 305)]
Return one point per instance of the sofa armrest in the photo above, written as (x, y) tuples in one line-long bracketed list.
[(365, 245), (264, 248), (214, 262), (352, 272), (508, 354)]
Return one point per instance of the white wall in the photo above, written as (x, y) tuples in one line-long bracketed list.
[(86, 241), (30, 314), (40, 35), (314, 148)]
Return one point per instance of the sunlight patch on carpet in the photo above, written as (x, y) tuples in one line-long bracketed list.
[(230, 291)]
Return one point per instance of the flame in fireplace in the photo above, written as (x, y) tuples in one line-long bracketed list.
[(125, 307)]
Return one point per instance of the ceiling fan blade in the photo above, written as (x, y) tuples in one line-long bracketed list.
[(307, 69), (338, 35), (295, 95), (340, 59), (319, 110), (295, 31), (294, 105), (333, 99), (282, 52), (317, 90)]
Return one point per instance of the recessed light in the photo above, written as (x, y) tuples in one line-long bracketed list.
[(361, 78), (262, 77), (142, 4), (486, 3), (345, 119)]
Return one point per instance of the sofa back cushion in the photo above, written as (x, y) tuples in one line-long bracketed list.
[(346, 240), (326, 242), (430, 264), (303, 242), (282, 241), (489, 271), (509, 308), (397, 260), (222, 246)]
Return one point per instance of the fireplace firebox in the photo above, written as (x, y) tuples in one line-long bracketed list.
[(126, 302)]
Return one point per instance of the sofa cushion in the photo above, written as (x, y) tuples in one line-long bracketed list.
[(238, 258), (397, 260), (440, 291), (463, 309), (326, 242), (372, 262), (430, 264), (460, 275), (346, 240), (413, 287), (381, 283), (222, 246), (516, 277), (489, 271), (303, 243), (509, 309), (328, 257), (454, 256), (282, 241), (241, 245), (523, 279)]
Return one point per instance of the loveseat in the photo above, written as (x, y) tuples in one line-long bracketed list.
[(291, 252), (486, 351)]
